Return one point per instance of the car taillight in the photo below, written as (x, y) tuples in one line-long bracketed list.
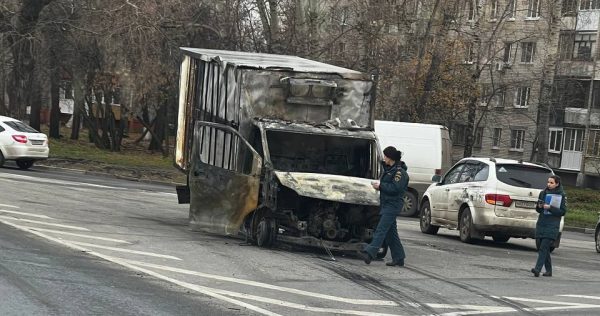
[(438, 172), (20, 138), (498, 199)]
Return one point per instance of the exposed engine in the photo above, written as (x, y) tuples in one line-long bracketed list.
[(324, 222)]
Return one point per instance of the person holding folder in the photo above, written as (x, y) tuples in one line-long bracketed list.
[(551, 208)]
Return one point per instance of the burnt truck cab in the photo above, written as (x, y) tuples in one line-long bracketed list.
[(277, 148)]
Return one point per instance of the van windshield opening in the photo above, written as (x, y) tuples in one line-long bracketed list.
[(296, 152), (523, 176)]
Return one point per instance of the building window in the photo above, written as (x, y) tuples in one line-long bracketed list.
[(470, 10), (498, 98), (566, 42), (517, 137), (585, 43), (494, 10), (522, 97), (459, 134), (497, 138), (511, 9), (533, 9), (527, 52), (507, 58), (478, 141), (569, 7), (594, 143), (555, 140), (589, 5)]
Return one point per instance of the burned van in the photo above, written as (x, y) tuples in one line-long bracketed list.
[(277, 148)]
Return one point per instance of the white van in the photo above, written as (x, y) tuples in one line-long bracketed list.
[(426, 150)]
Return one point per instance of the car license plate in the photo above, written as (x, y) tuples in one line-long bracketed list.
[(525, 204)]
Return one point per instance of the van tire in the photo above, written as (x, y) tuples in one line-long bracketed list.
[(500, 238), (265, 232), (425, 221), (410, 205), (1, 159)]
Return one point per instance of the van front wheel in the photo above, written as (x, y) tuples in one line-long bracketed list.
[(410, 205)]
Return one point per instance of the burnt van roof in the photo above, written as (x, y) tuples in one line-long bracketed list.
[(271, 61)]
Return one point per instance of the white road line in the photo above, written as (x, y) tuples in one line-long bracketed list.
[(193, 287), (582, 296), (6, 205), (267, 286), (52, 181), (144, 253), (562, 305), (26, 214), (78, 235), (41, 223), (299, 306)]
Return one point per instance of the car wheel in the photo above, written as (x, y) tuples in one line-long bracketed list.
[(382, 251), (537, 245), (500, 238), (410, 205), (265, 232), (24, 164), (598, 239), (425, 221), (466, 226), (1, 159)]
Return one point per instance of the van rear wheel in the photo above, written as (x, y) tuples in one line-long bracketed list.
[(24, 164), (410, 205)]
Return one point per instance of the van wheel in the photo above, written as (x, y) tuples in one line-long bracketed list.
[(500, 238), (410, 205), (425, 221), (466, 226), (1, 159), (24, 164), (265, 232)]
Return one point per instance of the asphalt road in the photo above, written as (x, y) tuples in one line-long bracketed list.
[(76, 244)]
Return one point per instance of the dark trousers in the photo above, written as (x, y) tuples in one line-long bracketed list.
[(544, 255), (387, 231)]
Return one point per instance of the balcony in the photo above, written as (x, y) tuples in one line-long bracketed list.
[(577, 69), (578, 116)]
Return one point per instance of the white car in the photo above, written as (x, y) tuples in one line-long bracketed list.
[(22, 143), (486, 197)]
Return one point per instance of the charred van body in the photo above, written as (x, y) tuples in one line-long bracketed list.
[(277, 148)]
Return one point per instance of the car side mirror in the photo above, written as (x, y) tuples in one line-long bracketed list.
[(436, 178)]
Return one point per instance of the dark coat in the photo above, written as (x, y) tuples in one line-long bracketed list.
[(548, 224), (392, 186)]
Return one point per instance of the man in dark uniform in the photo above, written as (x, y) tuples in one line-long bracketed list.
[(392, 186)]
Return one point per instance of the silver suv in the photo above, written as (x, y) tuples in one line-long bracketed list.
[(486, 197)]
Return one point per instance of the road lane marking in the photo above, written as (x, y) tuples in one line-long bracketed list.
[(64, 182), (267, 286), (193, 287), (6, 205), (582, 296), (41, 223), (137, 252), (26, 214), (562, 305), (78, 235)]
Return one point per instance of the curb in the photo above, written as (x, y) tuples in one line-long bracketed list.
[(107, 175), (579, 230)]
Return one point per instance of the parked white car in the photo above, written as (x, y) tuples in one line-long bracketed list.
[(22, 143), (486, 197)]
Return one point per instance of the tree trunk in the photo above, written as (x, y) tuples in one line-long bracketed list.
[(78, 102), (35, 101), (472, 113), (55, 100)]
